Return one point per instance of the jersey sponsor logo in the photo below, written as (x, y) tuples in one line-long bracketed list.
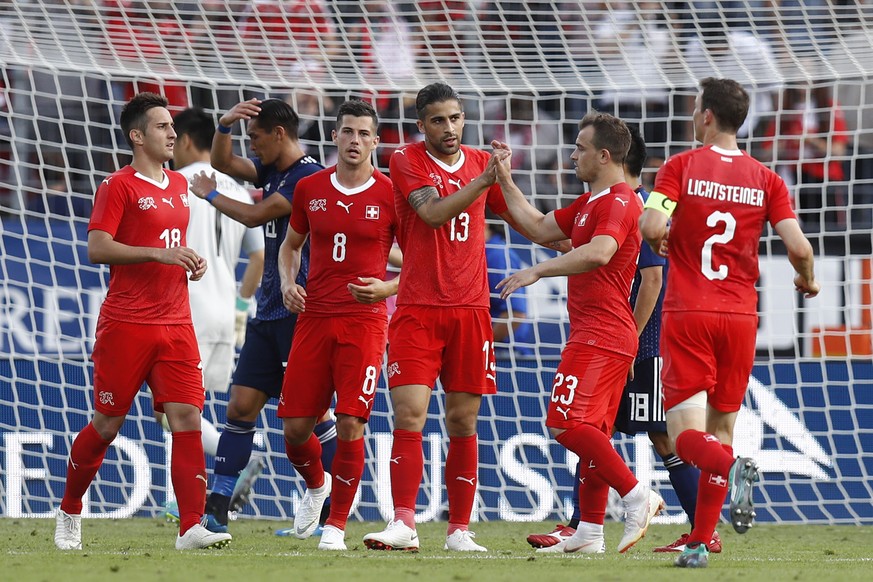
[(437, 180), (184, 198), (318, 204), (147, 202), (371, 212), (623, 202), (168, 201), (456, 183), (471, 481), (106, 398), (346, 207), (393, 369)]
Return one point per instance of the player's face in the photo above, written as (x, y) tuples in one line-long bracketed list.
[(159, 137), (586, 157), (356, 140), (697, 118), (265, 145), (443, 126)]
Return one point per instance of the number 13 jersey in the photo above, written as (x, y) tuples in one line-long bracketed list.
[(724, 197)]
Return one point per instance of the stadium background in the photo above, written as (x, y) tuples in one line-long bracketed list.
[(527, 71)]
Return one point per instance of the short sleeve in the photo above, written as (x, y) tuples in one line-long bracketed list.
[(109, 202)]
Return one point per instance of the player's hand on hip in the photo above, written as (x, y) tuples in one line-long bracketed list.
[(202, 184), (244, 110), (809, 288), (370, 290), (294, 298), (517, 281)]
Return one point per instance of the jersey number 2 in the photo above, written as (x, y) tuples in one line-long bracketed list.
[(706, 265)]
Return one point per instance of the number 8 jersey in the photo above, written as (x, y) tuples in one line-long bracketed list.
[(139, 212), (723, 199)]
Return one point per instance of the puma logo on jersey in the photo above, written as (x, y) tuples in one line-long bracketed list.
[(465, 480), (346, 207), (106, 180), (563, 411), (401, 151), (366, 401), (456, 183), (202, 478), (623, 202), (490, 376), (168, 201), (346, 481)]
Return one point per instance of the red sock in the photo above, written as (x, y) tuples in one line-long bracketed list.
[(86, 456), (306, 458), (188, 471), (407, 468), (462, 464), (711, 493), (596, 451), (347, 468), (704, 451), (593, 496)]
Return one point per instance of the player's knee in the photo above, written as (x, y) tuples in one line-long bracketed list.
[(349, 428), (296, 433)]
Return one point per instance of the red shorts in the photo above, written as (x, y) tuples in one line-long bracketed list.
[(333, 354), (587, 389), (128, 354), (709, 351), (456, 345)]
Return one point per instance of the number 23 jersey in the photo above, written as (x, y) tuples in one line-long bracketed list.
[(139, 212), (723, 198)]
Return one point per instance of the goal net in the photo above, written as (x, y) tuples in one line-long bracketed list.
[(528, 71)]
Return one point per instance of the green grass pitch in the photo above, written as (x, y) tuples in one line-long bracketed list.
[(140, 549)]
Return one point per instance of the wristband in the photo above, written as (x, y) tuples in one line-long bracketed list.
[(242, 304), (211, 196), (223, 129)]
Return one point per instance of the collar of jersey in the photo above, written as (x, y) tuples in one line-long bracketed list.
[(445, 166), (350, 191)]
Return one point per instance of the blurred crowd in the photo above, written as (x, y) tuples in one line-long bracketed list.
[(642, 59)]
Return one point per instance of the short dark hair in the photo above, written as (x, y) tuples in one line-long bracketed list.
[(610, 134), (435, 93), (727, 100), (198, 125), (356, 108), (275, 112), (134, 113), (637, 154)]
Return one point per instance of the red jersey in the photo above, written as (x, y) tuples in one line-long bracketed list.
[(598, 301), (139, 212), (351, 232), (723, 199), (442, 266)]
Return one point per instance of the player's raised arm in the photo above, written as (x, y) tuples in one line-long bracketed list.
[(222, 157)]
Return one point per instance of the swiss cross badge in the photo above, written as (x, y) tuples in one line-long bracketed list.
[(372, 212)]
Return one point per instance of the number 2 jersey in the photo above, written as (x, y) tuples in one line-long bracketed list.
[(351, 231), (445, 266), (723, 198), (139, 212)]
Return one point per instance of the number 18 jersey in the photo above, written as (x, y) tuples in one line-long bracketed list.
[(724, 197)]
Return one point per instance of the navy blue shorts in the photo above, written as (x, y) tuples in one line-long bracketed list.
[(264, 355), (642, 407)]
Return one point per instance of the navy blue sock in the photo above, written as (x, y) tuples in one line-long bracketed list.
[(577, 515), (684, 478), (234, 451), (326, 433)]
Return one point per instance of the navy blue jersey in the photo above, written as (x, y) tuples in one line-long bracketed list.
[(651, 336), (279, 183)]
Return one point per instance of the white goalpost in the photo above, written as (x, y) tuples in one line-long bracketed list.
[(528, 71)]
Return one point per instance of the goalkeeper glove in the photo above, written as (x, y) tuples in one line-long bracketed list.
[(242, 318)]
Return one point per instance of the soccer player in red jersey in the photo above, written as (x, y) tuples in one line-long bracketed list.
[(602, 226), (442, 326), (347, 212), (144, 332), (719, 199)]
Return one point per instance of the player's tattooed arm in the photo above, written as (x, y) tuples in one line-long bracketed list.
[(420, 197)]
